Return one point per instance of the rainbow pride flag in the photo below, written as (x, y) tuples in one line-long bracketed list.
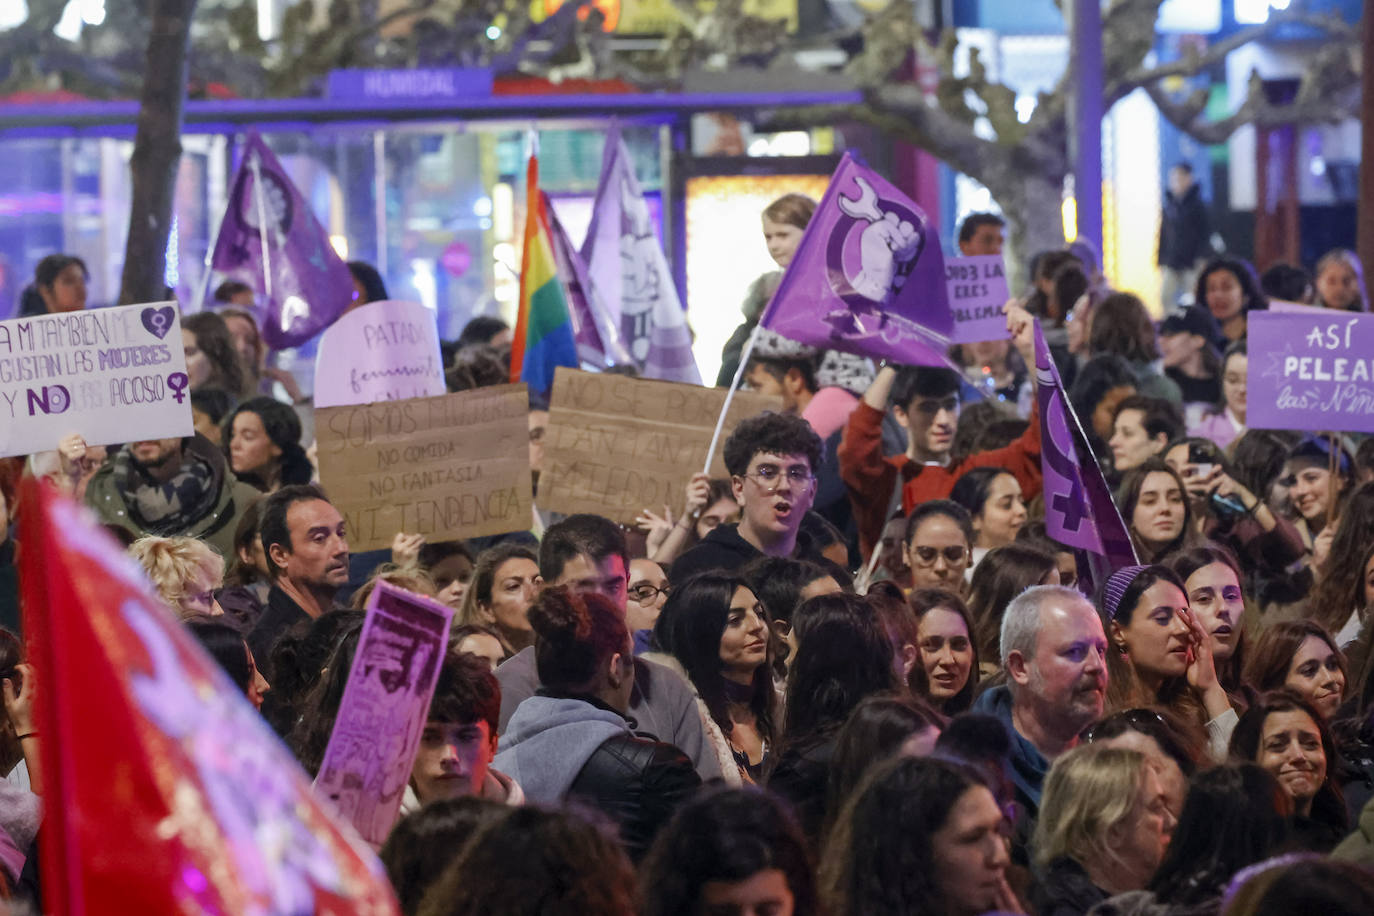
[(543, 326)]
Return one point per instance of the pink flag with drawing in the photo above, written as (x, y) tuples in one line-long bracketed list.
[(868, 276)]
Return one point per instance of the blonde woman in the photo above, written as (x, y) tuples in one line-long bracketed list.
[(1104, 824), (184, 571)]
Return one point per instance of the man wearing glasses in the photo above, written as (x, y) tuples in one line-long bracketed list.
[(925, 401), (772, 460)]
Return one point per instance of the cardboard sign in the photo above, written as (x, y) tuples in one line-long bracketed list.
[(451, 467), (1311, 371), (113, 375), (616, 445), (977, 287), (385, 705), (383, 351)]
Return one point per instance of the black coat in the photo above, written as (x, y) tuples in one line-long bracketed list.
[(1184, 231), (638, 783), (1064, 889), (724, 549)]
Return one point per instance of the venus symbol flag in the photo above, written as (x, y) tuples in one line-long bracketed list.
[(868, 276), (1079, 509), (164, 790), (271, 240)]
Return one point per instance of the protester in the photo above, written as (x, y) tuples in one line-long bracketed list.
[(505, 581), (1184, 234), (211, 360), (784, 221), (1166, 745), (1034, 534), (1097, 389), (264, 445), (839, 661), (794, 372), (368, 285), (1316, 492), (459, 739), (782, 585), (1231, 291), (247, 580), (587, 553), (185, 571), (535, 861), (772, 460), (59, 284), (925, 401), (939, 545), (1339, 281), (1226, 422), (1054, 653), (647, 593), (1122, 327), (981, 234), (1211, 582), (880, 727), (1285, 735), (715, 631), (209, 407), (1103, 828), (306, 546), (708, 503), (1302, 656), (995, 507), (1142, 428), (475, 639), (227, 647), (1293, 883), (1188, 341), (450, 565), (424, 842), (164, 487), (486, 330), (1158, 518), (947, 674), (1004, 573), (572, 741), (917, 836), (1343, 573)]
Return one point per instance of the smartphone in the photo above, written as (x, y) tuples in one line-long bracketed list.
[(1200, 457)]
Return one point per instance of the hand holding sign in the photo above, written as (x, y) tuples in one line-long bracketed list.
[(1312, 370)]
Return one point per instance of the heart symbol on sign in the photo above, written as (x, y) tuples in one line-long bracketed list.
[(158, 321)]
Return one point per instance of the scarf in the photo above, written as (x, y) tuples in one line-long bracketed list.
[(166, 508)]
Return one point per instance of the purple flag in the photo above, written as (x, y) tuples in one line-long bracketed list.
[(302, 285), (630, 274), (1079, 509), (868, 276), (598, 341)]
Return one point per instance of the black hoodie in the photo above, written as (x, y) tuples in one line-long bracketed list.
[(724, 549)]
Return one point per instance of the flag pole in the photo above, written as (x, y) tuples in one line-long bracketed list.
[(254, 163), (203, 288), (730, 396)]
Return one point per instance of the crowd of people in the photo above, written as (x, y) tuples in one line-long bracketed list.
[(855, 677)]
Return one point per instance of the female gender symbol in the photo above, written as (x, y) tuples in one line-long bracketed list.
[(178, 381)]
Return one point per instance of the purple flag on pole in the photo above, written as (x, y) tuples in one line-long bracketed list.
[(630, 273), (598, 341), (868, 276), (271, 240), (1079, 509)]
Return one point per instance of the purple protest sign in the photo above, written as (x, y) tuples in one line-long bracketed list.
[(1079, 509), (271, 240), (868, 276), (385, 704), (1311, 370), (977, 288)]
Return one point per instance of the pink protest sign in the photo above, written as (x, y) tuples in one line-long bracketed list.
[(977, 287), (385, 704), (1311, 370), (382, 351)]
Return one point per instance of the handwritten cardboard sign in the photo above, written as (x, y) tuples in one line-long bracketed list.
[(1312, 370), (383, 351), (616, 445), (451, 467), (376, 735), (113, 375), (977, 287)]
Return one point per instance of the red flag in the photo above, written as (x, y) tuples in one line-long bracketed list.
[(164, 790)]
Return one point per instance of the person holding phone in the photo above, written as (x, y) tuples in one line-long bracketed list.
[(1227, 512)]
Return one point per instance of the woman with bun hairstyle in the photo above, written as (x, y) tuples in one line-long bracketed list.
[(571, 741), (263, 445)]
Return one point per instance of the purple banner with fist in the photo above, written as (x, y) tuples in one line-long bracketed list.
[(1311, 370), (868, 276)]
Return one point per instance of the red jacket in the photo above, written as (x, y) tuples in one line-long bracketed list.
[(870, 477)]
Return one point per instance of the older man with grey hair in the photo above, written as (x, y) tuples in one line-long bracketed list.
[(1054, 653)]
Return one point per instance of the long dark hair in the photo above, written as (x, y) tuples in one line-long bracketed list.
[(214, 340), (1128, 495), (1276, 647), (1004, 573), (1328, 806), (1233, 817), (727, 835), (1341, 590), (1252, 293), (690, 628), (843, 659), (1121, 680), (1121, 325), (1189, 561), (879, 860), (876, 729), (283, 427), (922, 602)]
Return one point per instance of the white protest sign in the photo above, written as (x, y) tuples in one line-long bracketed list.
[(112, 375), (977, 287), (382, 351)]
